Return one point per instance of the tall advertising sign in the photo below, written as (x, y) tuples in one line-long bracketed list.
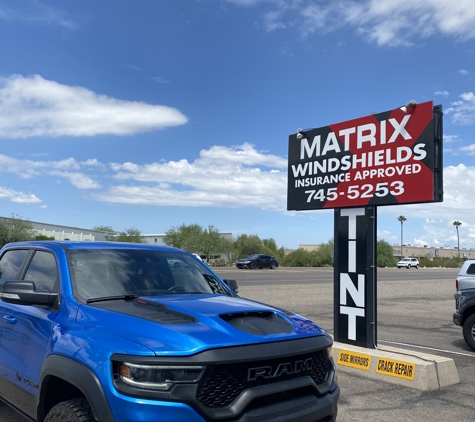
[(389, 158)]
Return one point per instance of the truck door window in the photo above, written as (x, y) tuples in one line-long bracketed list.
[(42, 270), (10, 264)]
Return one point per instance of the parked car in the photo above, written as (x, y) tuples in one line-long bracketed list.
[(176, 263), (466, 276), (408, 263), (464, 314), (257, 261), (111, 332)]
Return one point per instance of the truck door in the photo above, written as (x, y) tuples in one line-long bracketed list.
[(27, 330), (11, 263)]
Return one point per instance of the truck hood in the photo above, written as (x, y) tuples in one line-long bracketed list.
[(189, 323)]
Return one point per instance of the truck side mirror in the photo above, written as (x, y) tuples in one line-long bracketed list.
[(232, 284), (22, 292)]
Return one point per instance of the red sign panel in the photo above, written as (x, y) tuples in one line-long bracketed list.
[(383, 159)]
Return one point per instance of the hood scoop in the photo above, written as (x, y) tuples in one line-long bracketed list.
[(258, 323)]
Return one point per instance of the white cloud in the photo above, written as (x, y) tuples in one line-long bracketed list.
[(463, 111), (464, 72), (443, 93), (18, 197), (80, 180), (448, 139), (160, 80), (33, 106), (37, 13), (469, 149), (26, 169), (386, 22), (246, 2), (29, 168), (437, 226), (444, 235), (220, 177), (458, 205)]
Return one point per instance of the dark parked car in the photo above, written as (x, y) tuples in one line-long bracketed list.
[(465, 314), (257, 261)]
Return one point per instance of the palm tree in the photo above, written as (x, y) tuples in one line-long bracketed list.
[(457, 224), (401, 219)]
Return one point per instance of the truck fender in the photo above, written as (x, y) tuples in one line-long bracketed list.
[(80, 376)]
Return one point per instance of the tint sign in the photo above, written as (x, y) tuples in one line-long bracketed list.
[(387, 158)]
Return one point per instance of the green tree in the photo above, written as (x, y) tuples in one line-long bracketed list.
[(211, 242), (401, 219), (324, 254), (15, 229), (457, 224), (269, 246), (229, 249), (189, 238), (247, 245), (43, 237), (298, 258), (107, 229), (131, 235), (385, 256)]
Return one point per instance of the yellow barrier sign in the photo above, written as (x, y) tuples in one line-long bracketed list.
[(395, 368), (354, 360)]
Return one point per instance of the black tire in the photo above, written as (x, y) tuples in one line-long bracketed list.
[(75, 410), (252, 266), (272, 266), (417, 266), (409, 267), (469, 331)]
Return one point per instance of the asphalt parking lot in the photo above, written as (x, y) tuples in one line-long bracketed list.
[(414, 312)]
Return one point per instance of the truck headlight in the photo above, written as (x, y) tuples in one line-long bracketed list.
[(158, 377)]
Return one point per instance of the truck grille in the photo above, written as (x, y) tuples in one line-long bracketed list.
[(221, 385)]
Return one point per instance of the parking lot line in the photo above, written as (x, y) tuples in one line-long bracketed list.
[(428, 348)]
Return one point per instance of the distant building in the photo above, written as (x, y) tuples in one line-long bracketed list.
[(157, 239), (431, 252), (414, 251), (67, 232)]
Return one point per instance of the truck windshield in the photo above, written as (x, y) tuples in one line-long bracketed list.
[(106, 273)]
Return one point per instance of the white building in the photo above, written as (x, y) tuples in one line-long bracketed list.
[(67, 232)]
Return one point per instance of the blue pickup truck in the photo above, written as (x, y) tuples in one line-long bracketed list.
[(103, 331)]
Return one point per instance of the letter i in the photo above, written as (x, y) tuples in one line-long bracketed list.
[(382, 132)]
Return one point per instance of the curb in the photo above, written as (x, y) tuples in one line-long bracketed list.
[(420, 371)]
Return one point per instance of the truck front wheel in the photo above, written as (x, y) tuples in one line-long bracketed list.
[(75, 410), (469, 331)]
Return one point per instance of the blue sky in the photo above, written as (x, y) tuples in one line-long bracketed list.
[(152, 114)]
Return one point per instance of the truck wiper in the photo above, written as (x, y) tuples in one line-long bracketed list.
[(121, 297)]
